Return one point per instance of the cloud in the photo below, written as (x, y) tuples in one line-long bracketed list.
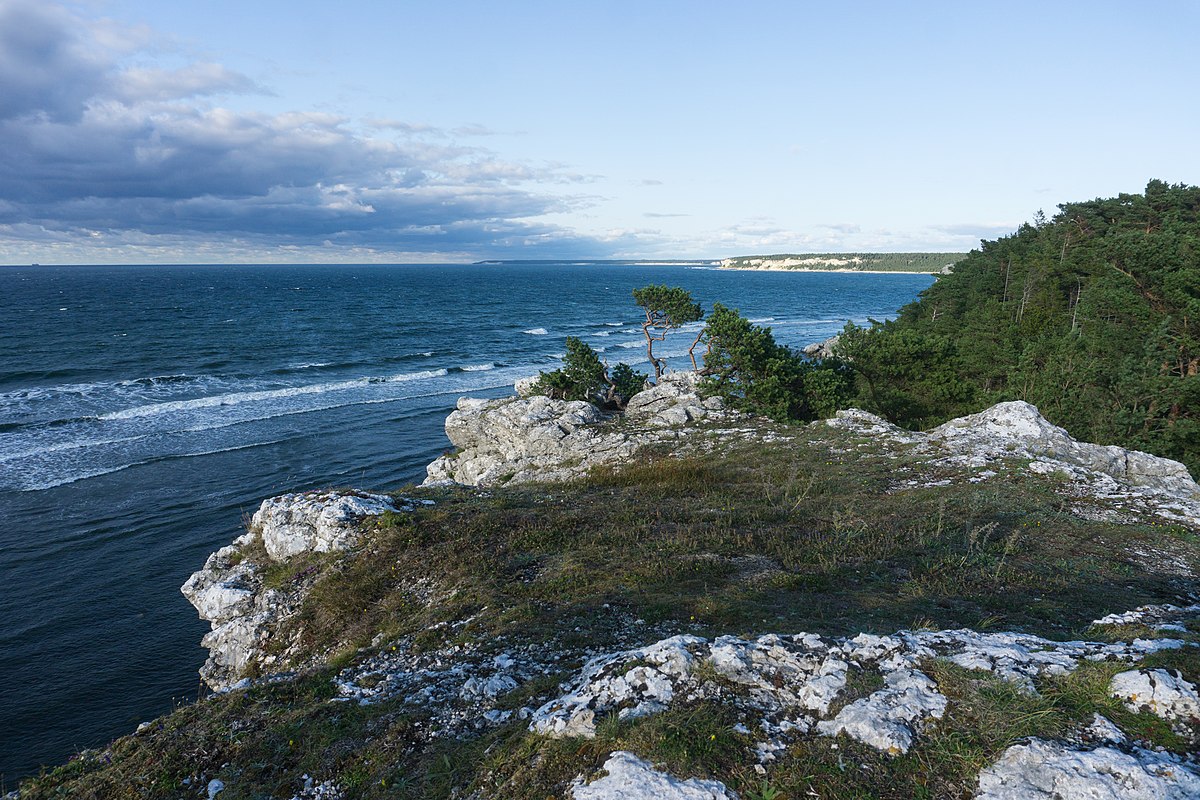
[(139, 85), (843, 227), (96, 154), (976, 230), (656, 215), (46, 68)]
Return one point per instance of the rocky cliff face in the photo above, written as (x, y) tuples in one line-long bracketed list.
[(520, 439), (230, 590)]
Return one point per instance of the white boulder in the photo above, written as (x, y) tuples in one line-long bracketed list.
[(315, 521), (1042, 770), (1164, 694), (631, 778)]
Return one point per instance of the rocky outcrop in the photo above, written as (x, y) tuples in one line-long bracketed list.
[(229, 591), (318, 522), (1017, 429), (521, 439), (785, 686), (1162, 693), (1103, 478), (822, 349)]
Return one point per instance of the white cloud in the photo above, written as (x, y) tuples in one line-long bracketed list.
[(97, 154)]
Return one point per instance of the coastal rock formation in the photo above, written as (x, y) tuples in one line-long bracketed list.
[(822, 349), (315, 521), (230, 593), (521, 439), (1102, 478)]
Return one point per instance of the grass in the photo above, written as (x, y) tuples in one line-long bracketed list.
[(804, 535)]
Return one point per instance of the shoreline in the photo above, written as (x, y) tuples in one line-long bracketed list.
[(854, 271)]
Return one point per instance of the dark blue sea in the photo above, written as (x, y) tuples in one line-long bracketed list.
[(146, 410)]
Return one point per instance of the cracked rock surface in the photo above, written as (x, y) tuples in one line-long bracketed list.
[(1041, 770)]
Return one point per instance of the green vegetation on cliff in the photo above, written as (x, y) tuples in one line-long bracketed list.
[(1093, 316), (795, 529)]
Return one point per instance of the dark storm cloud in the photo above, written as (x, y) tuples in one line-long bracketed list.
[(88, 147)]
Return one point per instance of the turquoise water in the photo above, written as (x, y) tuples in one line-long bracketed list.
[(144, 411)]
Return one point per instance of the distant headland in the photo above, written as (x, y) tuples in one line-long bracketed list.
[(924, 263)]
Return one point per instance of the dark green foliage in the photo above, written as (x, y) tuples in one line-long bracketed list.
[(667, 308), (582, 376), (1093, 316), (751, 371), (626, 382)]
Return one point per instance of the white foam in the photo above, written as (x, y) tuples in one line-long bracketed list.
[(537, 332), (479, 368), (237, 398)]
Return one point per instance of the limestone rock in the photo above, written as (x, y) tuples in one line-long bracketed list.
[(1164, 694), (315, 521), (1018, 429), (1114, 477), (524, 386), (1043, 770), (887, 719), (631, 778), (515, 440), (786, 685), (823, 349), (229, 593)]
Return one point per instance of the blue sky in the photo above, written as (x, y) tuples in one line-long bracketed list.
[(189, 131)]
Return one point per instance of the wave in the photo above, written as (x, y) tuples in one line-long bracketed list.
[(92, 388), (475, 368), (537, 332), (604, 333), (237, 398), (96, 473)]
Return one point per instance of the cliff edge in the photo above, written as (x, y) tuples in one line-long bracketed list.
[(686, 602)]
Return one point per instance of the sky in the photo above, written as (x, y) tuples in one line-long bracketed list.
[(206, 131)]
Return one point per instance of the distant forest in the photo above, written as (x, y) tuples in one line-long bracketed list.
[(867, 262), (1093, 316)]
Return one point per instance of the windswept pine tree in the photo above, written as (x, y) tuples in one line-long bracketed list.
[(1093, 316)]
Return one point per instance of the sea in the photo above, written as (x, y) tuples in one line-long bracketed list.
[(146, 411)]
